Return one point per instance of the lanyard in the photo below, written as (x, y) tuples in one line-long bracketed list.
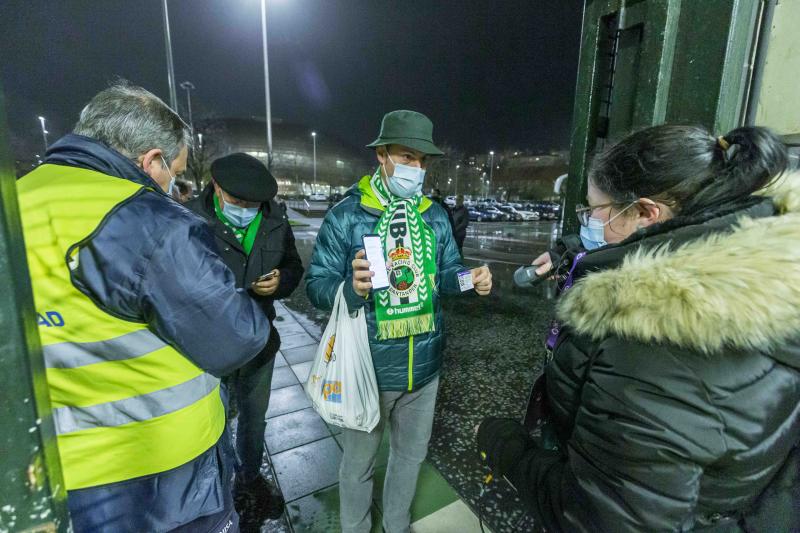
[(555, 326)]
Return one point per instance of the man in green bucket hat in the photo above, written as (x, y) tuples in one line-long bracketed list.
[(404, 321)]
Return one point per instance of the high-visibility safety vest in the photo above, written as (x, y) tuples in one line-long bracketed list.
[(125, 403)]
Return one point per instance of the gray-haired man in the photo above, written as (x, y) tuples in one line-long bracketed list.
[(133, 366)]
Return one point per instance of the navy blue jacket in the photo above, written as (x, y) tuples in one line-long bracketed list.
[(154, 261)]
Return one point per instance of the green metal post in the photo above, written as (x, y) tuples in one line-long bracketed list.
[(32, 493), (711, 69), (648, 62), (585, 110)]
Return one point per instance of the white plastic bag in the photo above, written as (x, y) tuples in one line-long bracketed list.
[(342, 385)]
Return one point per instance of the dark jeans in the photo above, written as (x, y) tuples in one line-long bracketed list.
[(249, 389)]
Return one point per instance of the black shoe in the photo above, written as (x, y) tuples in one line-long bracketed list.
[(257, 501)]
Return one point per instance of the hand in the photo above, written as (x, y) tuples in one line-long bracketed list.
[(482, 280), (545, 262), (267, 287), (362, 276)]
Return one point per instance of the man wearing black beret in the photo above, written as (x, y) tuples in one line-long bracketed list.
[(255, 240)]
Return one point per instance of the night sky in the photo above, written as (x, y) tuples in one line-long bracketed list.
[(491, 75)]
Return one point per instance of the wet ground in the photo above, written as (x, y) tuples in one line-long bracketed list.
[(494, 352)]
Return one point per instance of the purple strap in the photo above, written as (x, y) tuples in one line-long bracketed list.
[(555, 327), (570, 279)]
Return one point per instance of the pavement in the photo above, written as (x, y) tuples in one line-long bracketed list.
[(494, 352)]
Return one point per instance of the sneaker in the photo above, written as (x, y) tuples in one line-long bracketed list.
[(257, 501)]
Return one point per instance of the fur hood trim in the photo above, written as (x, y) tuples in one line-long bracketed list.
[(736, 290)]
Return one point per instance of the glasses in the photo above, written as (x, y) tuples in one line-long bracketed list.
[(585, 211)]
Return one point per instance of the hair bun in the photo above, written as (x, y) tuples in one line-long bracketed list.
[(756, 154)]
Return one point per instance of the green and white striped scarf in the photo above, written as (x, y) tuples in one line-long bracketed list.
[(406, 307)]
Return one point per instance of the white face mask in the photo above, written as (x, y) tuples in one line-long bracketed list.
[(406, 181), (172, 178)]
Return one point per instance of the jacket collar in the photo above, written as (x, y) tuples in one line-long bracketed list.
[(732, 281), (84, 152)]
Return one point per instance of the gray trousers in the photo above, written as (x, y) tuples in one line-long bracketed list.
[(410, 418)]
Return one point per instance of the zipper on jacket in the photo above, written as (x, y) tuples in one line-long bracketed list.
[(410, 362)]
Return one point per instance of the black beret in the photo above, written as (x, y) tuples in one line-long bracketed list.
[(244, 177)]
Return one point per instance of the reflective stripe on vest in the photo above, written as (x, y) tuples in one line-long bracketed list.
[(135, 409), (125, 403), (77, 354)]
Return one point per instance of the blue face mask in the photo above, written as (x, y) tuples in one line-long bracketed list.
[(240, 216), (406, 180), (593, 235)]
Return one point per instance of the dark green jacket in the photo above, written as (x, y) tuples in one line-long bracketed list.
[(675, 383), (400, 364)]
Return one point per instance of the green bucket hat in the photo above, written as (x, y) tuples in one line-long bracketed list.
[(407, 128)]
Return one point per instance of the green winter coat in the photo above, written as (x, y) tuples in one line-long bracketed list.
[(400, 364)]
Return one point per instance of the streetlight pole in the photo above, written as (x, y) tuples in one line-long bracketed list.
[(266, 80), (314, 137), (173, 98), (189, 86), (457, 167), (44, 133), (449, 179), (491, 172)]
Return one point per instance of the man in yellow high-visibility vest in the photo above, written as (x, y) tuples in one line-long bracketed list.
[(139, 318)]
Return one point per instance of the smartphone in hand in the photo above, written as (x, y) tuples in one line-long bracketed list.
[(265, 277), (377, 260)]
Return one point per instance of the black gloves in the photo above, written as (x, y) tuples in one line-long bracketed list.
[(502, 441)]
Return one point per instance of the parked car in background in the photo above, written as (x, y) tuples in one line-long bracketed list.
[(317, 197), (500, 214), (509, 210), (529, 215), (548, 214), (486, 203), (550, 210), (479, 215)]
